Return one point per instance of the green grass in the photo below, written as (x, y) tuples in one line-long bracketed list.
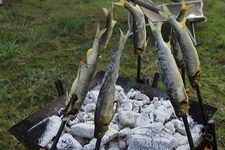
[(42, 41)]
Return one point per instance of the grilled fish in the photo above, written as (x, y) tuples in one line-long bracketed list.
[(170, 73), (105, 103), (139, 30), (175, 47), (85, 74), (110, 23), (188, 50)]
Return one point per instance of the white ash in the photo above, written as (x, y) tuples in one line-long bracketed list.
[(138, 124)]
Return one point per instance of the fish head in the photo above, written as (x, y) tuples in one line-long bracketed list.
[(195, 81), (100, 132)]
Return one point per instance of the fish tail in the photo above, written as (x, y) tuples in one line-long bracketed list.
[(106, 11), (123, 37), (99, 33), (166, 12), (138, 7), (121, 3), (157, 27), (185, 7)]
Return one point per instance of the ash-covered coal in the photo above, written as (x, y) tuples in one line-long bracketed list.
[(138, 124)]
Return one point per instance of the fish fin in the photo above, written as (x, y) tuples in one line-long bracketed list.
[(183, 22), (89, 52), (99, 33), (168, 44), (121, 3), (185, 7), (114, 22), (123, 37), (106, 11), (166, 12), (157, 27)]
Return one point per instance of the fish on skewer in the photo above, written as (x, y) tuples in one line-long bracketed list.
[(85, 74), (188, 50), (105, 102), (175, 47), (139, 30), (110, 23), (170, 73)]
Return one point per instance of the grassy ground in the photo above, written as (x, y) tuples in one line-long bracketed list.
[(42, 41)]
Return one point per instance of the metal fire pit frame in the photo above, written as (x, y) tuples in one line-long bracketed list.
[(20, 129)]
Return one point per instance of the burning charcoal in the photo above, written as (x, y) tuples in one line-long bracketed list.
[(119, 88), (159, 141), (136, 109), (143, 121), (148, 109), (87, 101), (67, 141), (169, 127), (181, 139), (127, 106), (142, 97), (127, 118), (109, 135), (91, 145), (138, 103), (156, 103), (121, 143), (114, 126), (93, 95), (162, 114), (124, 132), (156, 127), (50, 131), (183, 147), (113, 146), (179, 125), (132, 93), (83, 130), (90, 107)]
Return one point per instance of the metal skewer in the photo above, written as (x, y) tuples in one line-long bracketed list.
[(97, 145), (58, 134), (201, 105), (186, 124), (138, 68)]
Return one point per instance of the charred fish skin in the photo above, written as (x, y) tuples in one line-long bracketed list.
[(85, 74), (170, 73), (175, 47), (105, 103), (109, 26), (139, 29), (189, 52)]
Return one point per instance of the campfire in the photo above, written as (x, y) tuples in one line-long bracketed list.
[(143, 117), (158, 129)]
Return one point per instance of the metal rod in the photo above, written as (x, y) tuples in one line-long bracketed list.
[(98, 143), (59, 87), (186, 124), (183, 76), (155, 80), (58, 135), (138, 68), (211, 131), (201, 106)]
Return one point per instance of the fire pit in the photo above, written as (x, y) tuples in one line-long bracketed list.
[(29, 139)]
